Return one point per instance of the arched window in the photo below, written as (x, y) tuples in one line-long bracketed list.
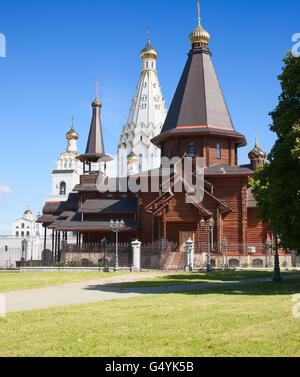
[(5, 248), (140, 162), (219, 151), (191, 150), (17, 234), (23, 226), (22, 234), (169, 152), (28, 234), (62, 188)]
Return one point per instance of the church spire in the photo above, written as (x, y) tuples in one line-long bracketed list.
[(198, 107), (95, 145), (146, 117)]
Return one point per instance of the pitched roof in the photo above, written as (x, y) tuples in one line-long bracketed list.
[(57, 208), (95, 145), (229, 170), (95, 206), (198, 105)]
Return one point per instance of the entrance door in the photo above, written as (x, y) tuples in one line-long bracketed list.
[(183, 237)]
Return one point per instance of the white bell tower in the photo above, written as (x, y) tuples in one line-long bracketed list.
[(69, 169), (147, 115)]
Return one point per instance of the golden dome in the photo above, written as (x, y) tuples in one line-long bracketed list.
[(199, 35), (28, 212), (149, 52), (257, 152), (132, 157), (72, 134)]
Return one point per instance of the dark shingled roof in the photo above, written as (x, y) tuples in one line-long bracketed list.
[(198, 105), (230, 170), (74, 224), (57, 208), (95, 206), (95, 145)]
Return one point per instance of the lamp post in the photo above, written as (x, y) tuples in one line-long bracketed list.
[(211, 224), (116, 227), (277, 276), (103, 246)]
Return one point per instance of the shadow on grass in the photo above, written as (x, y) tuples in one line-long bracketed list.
[(259, 286)]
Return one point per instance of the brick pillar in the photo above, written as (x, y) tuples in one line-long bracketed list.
[(136, 256)]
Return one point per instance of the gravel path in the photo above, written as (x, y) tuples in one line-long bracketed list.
[(101, 290)]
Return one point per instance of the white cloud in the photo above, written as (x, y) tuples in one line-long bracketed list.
[(4, 190)]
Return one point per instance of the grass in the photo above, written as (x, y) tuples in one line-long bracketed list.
[(18, 281), (200, 277), (245, 320)]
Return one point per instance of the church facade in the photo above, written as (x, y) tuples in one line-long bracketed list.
[(198, 125)]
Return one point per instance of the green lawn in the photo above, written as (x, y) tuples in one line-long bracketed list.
[(18, 281), (200, 277), (252, 320)]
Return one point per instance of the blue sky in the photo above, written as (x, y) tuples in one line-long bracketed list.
[(58, 49)]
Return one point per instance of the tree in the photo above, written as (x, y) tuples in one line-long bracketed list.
[(276, 186)]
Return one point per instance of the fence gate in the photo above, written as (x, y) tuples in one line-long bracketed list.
[(162, 255)]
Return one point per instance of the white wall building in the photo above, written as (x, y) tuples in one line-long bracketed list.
[(147, 115), (26, 241), (26, 226), (69, 169)]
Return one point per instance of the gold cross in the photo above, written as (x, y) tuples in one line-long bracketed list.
[(199, 19), (97, 86)]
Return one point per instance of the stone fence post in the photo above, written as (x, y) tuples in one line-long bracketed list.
[(189, 248), (136, 255)]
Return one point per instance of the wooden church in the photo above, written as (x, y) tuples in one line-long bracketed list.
[(198, 124)]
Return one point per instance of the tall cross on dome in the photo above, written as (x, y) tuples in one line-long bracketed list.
[(97, 89), (199, 19), (149, 31)]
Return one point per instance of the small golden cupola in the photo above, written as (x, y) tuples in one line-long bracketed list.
[(199, 37), (149, 51), (257, 156), (72, 134)]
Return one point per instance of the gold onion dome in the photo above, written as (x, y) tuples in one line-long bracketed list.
[(199, 35), (72, 134), (132, 156), (28, 212), (149, 52), (257, 152)]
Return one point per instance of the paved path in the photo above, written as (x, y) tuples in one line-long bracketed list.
[(100, 290)]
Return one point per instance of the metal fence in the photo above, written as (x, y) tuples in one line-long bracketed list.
[(161, 255), (95, 255), (10, 257)]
